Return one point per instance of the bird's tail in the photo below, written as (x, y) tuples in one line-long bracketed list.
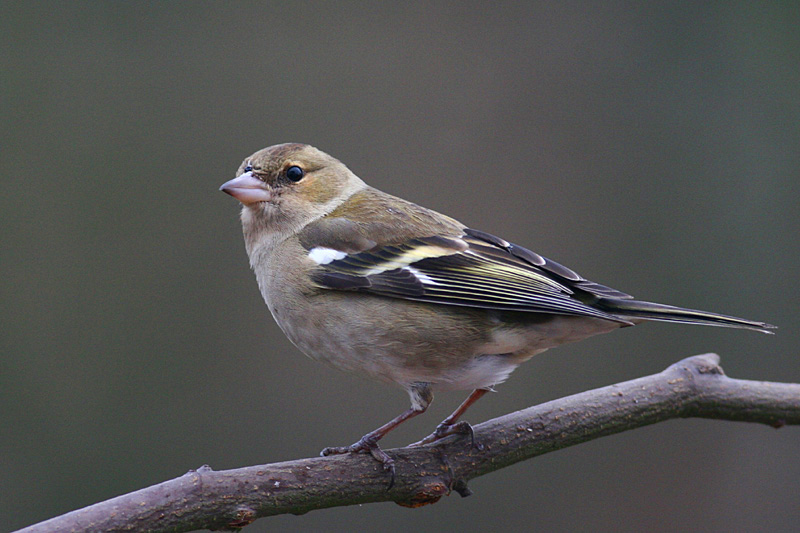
[(669, 313)]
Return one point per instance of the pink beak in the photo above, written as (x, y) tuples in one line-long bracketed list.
[(247, 189)]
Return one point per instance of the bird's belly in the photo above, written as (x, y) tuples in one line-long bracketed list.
[(387, 339), (400, 341)]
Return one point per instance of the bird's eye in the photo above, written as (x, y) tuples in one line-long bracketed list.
[(295, 173), (248, 168)]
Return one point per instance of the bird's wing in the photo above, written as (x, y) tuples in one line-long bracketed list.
[(474, 269)]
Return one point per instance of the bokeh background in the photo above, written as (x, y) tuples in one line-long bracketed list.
[(653, 147)]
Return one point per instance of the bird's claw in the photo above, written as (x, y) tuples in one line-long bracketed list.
[(365, 444), (444, 430)]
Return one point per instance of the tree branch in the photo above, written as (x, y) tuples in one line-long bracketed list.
[(230, 499)]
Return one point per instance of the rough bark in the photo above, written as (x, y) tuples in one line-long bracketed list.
[(230, 499)]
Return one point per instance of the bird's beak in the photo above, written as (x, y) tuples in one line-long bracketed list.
[(247, 189)]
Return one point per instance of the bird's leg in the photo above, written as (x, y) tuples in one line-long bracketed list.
[(450, 425), (421, 397), (369, 442)]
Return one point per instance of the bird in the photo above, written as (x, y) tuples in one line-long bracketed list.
[(377, 285)]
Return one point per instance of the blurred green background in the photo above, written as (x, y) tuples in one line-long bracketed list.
[(653, 147)]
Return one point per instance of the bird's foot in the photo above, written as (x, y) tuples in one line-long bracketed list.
[(367, 443), (443, 430)]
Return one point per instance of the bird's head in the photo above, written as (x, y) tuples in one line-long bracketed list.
[(284, 187)]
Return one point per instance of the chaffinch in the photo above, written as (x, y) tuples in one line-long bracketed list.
[(374, 284)]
